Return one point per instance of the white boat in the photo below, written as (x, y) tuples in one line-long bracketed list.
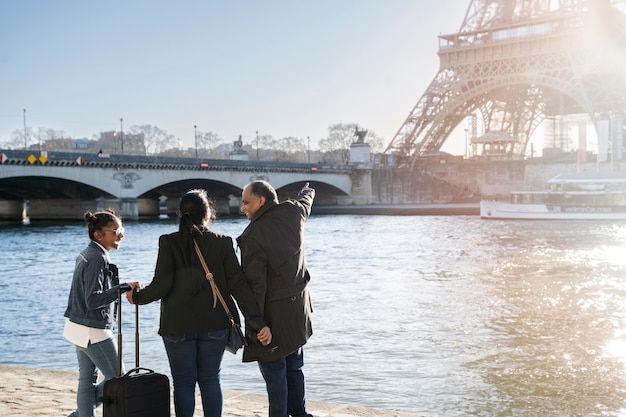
[(567, 197)]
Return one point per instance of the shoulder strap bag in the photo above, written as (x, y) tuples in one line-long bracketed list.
[(236, 339)]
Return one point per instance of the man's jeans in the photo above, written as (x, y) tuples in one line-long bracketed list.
[(196, 357), (284, 381), (102, 356)]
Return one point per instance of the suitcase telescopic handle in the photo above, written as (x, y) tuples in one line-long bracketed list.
[(136, 335), (119, 332)]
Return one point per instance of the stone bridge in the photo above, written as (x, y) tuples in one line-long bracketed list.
[(64, 185)]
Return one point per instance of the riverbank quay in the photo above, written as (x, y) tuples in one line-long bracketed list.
[(37, 392), (426, 209)]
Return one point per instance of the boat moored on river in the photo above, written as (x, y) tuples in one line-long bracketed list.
[(566, 197)]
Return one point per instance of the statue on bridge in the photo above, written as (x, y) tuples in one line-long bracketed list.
[(238, 145), (360, 134)]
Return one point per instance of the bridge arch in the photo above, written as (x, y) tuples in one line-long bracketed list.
[(50, 187)]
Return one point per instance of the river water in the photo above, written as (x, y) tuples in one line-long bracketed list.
[(442, 316)]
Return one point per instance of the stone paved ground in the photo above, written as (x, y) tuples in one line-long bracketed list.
[(37, 392)]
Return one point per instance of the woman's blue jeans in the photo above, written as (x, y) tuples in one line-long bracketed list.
[(102, 356), (284, 381), (196, 358)]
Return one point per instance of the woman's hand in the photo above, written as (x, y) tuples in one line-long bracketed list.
[(265, 336), (133, 285)]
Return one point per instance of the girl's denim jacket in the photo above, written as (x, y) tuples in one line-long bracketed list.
[(94, 291)]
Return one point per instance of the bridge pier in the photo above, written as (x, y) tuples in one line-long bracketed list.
[(360, 156), (361, 187), (234, 204), (163, 207), (128, 208), (26, 212)]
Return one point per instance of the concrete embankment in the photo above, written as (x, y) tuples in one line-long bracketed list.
[(37, 392), (448, 209)]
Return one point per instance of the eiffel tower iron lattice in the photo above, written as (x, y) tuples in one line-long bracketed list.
[(514, 63)]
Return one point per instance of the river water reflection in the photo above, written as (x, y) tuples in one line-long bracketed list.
[(443, 316)]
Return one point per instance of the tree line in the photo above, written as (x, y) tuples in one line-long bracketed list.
[(334, 148)]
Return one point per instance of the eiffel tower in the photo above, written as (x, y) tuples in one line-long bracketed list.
[(514, 63)]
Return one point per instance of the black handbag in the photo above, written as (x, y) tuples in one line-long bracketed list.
[(236, 338)]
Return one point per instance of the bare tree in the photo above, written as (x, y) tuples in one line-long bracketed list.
[(265, 146), (22, 140), (50, 139), (377, 143), (336, 147), (208, 140), (289, 149), (34, 136), (156, 140), (45, 133)]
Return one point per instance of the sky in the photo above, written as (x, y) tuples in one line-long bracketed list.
[(277, 67)]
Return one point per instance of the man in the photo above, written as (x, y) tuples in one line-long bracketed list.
[(272, 256)]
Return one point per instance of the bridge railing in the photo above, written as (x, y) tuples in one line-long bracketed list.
[(30, 157)]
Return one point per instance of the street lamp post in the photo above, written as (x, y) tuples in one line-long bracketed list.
[(308, 149), (257, 145), (122, 133), (195, 136), (25, 133)]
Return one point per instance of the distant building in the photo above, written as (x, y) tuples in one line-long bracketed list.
[(82, 144), (116, 143)]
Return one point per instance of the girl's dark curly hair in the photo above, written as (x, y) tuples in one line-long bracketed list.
[(100, 219)]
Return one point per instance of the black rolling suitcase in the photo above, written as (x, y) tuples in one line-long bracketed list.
[(140, 392)]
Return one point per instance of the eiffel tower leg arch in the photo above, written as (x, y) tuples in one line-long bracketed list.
[(517, 105), (514, 104), (450, 99)]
